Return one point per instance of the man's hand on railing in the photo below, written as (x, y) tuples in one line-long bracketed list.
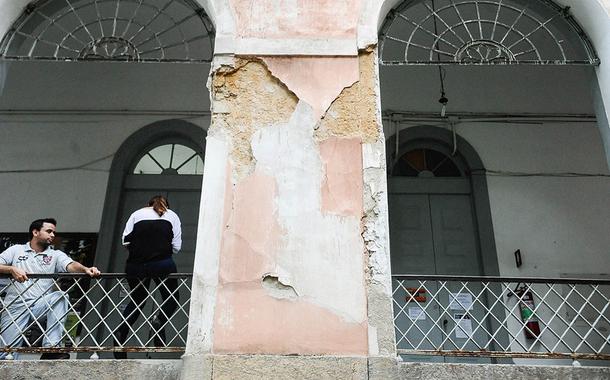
[(18, 274), (76, 267), (92, 271)]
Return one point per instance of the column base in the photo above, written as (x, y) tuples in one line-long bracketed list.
[(244, 367)]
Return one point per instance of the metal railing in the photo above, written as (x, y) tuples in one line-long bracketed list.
[(78, 313), (495, 317)]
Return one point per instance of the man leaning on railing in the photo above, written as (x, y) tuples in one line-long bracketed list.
[(27, 298)]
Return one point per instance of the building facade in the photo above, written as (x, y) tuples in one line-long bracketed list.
[(313, 150)]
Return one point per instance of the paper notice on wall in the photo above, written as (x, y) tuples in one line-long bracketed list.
[(463, 328), (416, 313), (460, 301)]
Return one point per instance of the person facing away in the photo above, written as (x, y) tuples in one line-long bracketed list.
[(36, 298), (152, 236)]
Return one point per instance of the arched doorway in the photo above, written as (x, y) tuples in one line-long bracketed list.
[(440, 221), (432, 223), (437, 201)]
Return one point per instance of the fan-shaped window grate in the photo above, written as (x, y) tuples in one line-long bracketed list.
[(425, 163), (170, 159), (483, 32), (115, 30)]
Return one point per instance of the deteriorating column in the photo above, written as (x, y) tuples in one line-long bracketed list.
[(292, 244)]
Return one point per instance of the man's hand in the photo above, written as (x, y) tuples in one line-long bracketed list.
[(19, 274), (92, 271)]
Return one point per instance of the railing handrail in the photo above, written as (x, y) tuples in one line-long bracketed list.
[(562, 280), (108, 313), (103, 275)]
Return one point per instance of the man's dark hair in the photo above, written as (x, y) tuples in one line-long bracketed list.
[(37, 225)]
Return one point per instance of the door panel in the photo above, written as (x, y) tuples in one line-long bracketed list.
[(435, 234), (454, 236), (413, 253), (411, 234)]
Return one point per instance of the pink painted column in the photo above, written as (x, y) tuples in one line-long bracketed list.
[(293, 192)]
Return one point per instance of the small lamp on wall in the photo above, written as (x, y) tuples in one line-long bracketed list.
[(443, 101)]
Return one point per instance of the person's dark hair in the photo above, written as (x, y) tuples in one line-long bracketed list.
[(159, 203), (37, 225)]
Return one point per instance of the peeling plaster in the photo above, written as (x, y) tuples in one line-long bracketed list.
[(354, 112), (304, 207), (246, 97), (264, 234), (277, 288), (375, 233), (312, 258), (315, 80)]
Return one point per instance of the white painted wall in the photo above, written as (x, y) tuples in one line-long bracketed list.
[(503, 89), (559, 224), (63, 115), (552, 220)]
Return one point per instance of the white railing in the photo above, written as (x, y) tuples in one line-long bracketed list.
[(502, 317), (82, 314)]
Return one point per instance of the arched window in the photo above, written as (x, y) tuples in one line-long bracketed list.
[(113, 30), (170, 159), (425, 163), (483, 32)]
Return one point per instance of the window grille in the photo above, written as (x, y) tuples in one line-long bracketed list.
[(111, 30), (483, 32), (425, 163), (170, 159)]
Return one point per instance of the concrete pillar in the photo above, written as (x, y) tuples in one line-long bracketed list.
[(594, 17), (292, 264), (292, 251)]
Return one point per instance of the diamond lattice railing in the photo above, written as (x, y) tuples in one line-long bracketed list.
[(502, 317), (77, 313)]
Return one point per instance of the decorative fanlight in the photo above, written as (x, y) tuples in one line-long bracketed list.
[(111, 30), (170, 159), (425, 163), (483, 32)]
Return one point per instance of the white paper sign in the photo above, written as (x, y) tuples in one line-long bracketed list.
[(464, 325), (416, 313), (460, 301)]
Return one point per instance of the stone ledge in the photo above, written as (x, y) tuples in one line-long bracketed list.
[(90, 369), (441, 371), (271, 367), (221, 367)]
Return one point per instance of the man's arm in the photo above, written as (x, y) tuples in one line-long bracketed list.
[(177, 231), (76, 267), (6, 267), (17, 273), (128, 230)]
